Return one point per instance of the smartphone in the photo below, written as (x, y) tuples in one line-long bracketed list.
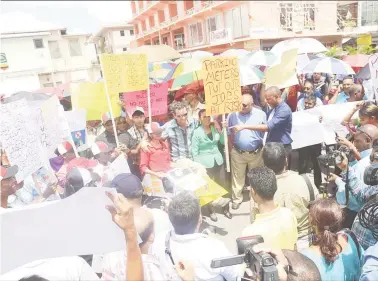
[(227, 261)]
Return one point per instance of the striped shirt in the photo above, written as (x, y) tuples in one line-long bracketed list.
[(180, 139)]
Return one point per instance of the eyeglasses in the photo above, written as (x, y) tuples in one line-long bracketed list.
[(307, 88)]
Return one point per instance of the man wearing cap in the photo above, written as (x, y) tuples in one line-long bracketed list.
[(191, 96), (8, 183), (107, 136), (65, 150)]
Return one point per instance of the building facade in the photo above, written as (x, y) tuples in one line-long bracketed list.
[(46, 58), (113, 39), (216, 26)]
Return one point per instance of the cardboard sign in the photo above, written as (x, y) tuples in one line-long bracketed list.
[(91, 97), (21, 143), (77, 123), (373, 65), (159, 102), (221, 79)]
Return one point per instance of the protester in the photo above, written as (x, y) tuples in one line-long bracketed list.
[(186, 243), (276, 224), (343, 96), (294, 192), (191, 96), (290, 96), (156, 161), (102, 153), (179, 132), (335, 253), (367, 114), (310, 153), (77, 178), (320, 83), (65, 151), (8, 183), (107, 136), (115, 264), (122, 125), (206, 152), (279, 124), (308, 93)]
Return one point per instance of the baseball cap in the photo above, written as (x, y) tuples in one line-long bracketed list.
[(138, 108), (154, 128), (6, 173), (64, 148), (81, 162), (99, 147), (128, 185), (79, 177), (106, 117)]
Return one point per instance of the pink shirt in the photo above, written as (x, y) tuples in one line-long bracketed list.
[(157, 160)]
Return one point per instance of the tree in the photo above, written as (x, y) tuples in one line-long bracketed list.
[(335, 52)]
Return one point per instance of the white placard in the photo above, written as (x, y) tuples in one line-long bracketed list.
[(373, 65), (77, 225), (21, 144), (76, 119)]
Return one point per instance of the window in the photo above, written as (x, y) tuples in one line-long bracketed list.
[(297, 16), (54, 50), (74, 45), (369, 13), (238, 21), (165, 40), (196, 34), (124, 49), (122, 32), (131, 32), (179, 41), (38, 43)]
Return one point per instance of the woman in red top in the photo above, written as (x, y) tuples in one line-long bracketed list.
[(157, 161)]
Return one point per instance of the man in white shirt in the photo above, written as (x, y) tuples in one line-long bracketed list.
[(114, 264), (185, 243)]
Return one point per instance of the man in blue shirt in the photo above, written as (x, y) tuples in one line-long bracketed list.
[(279, 123), (344, 95), (370, 267), (244, 146)]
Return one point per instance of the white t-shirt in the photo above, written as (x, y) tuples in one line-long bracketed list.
[(56, 269)]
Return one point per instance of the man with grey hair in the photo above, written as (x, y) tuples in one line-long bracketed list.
[(185, 243), (279, 123)]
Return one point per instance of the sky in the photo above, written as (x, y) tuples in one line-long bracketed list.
[(76, 16)]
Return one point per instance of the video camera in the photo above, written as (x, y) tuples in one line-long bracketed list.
[(260, 266)]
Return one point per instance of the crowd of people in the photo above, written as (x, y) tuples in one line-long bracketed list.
[(310, 237)]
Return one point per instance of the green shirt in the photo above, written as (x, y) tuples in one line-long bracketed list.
[(205, 151)]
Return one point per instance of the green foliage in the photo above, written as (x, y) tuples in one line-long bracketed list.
[(335, 52)]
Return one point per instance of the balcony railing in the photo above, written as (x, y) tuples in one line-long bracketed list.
[(190, 11), (208, 3), (174, 19)]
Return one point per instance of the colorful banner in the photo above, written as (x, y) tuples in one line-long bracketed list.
[(20, 141), (373, 65), (159, 100), (91, 97), (284, 74), (221, 79)]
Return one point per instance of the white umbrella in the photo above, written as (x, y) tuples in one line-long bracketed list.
[(303, 60), (240, 53), (198, 54), (328, 65), (249, 75), (264, 58), (304, 46), (156, 53)]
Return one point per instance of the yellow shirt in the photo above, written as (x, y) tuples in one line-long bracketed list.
[(278, 228)]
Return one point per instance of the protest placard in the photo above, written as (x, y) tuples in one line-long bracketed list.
[(373, 65), (19, 141), (284, 74), (221, 79), (91, 97), (307, 130), (159, 102), (53, 126), (77, 123), (39, 231)]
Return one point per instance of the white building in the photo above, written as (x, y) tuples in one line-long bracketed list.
[(113, 39), (46, 58)]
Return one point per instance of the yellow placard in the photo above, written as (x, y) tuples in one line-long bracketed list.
[(125, 72), (210, 193), (221, 79), (92, 97), (284, 74), (364, 39)]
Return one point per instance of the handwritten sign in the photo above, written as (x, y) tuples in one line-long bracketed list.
[(125, 72), (221, 79), (77, 123), (20, 142), (159, 102), (284, 74), (373, 65), (91, 97)]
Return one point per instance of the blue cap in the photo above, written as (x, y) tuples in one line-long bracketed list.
[(128, 185)]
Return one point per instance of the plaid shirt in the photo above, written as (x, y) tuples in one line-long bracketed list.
[(137, 136), (364, 235), (179, 139)]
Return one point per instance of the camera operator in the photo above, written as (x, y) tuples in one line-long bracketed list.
[(363, 141)]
